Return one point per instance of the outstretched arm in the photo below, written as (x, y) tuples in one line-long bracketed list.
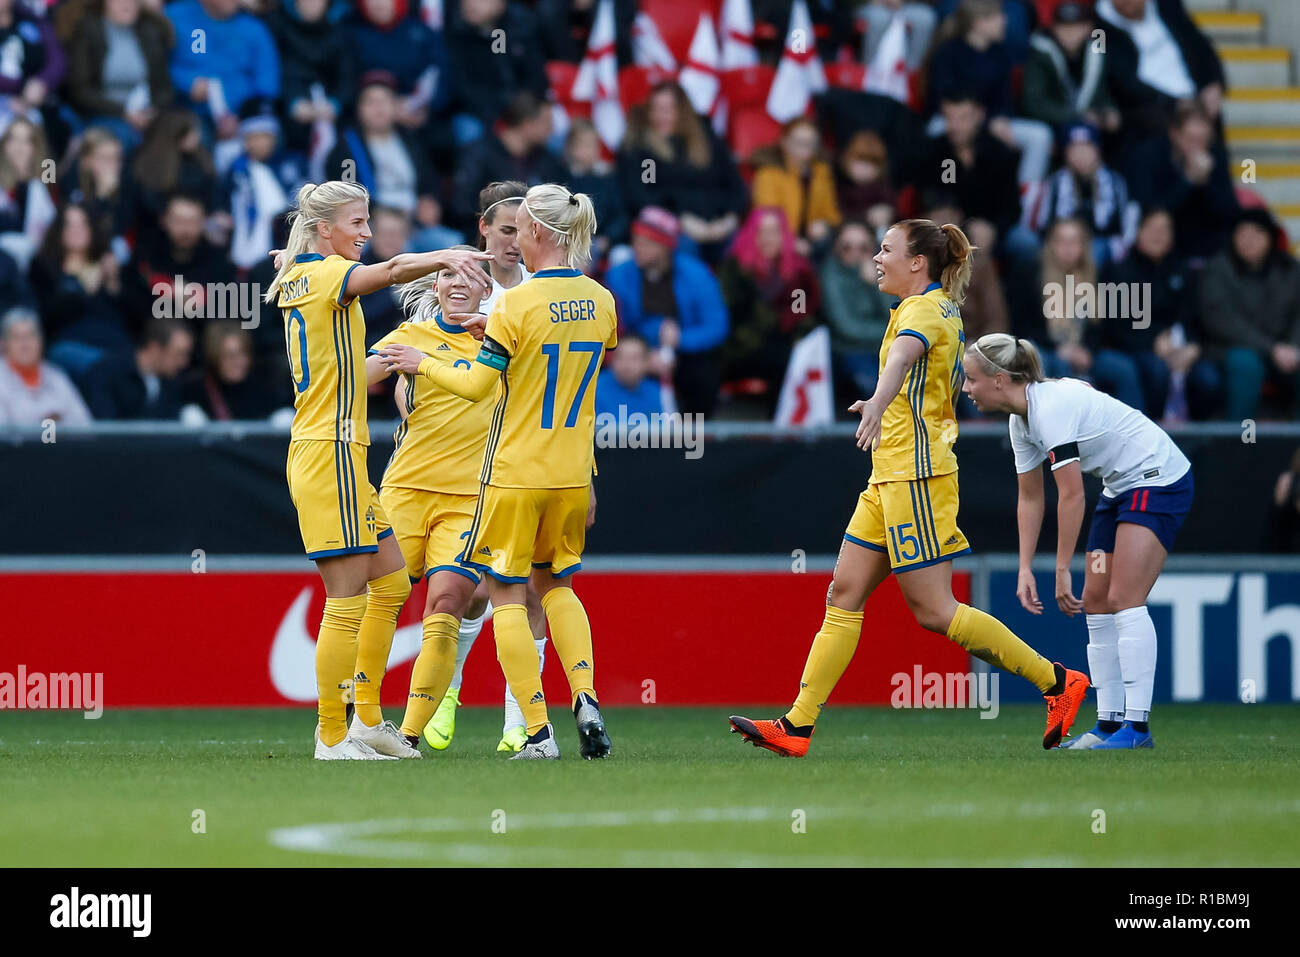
[(405, 267), (474, 382), (903, 354)]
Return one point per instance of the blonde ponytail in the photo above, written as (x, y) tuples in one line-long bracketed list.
[(315, 204), (569, 217)]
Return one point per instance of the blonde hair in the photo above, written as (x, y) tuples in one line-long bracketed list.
[(1016, 358), (947, 252), (315, 204), (419, 297), (568, 216)]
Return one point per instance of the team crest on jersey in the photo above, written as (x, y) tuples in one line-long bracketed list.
[(370, 519)]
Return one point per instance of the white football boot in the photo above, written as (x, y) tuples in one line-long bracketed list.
[(545, 750), (385, 737), (349, 749)]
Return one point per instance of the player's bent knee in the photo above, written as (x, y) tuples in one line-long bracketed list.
[(1094, 604)]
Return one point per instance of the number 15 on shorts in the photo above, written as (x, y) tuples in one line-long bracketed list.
[(910, 544)]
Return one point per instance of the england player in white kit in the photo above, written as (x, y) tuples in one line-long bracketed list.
[(1146, 493)]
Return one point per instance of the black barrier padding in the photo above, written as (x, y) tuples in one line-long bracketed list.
[(116, 495)]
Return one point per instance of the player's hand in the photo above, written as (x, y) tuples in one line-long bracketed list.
[(277, 258), (401, 358), (466, 264), (472, 322), (869, 427), (1065, 599), (1027, 592)]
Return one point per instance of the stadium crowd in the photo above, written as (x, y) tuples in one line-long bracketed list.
[(148, 151)]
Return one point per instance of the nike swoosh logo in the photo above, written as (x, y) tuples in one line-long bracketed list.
[(293, 652), (438, 733)]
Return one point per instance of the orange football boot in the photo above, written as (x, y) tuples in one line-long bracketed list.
[(771, 735), (1062, 708)]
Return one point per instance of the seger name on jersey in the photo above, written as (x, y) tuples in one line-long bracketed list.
[(573, 310)]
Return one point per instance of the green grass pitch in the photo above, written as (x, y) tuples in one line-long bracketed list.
[(879, 787)]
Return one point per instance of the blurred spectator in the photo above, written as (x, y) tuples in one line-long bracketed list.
[(225, 387), (117, 67), (1087, 188), (985, 309), (1157, 341), (1284, 526), (975, 171), (832, 25), (918, 21), (672, 159), (794, 176), (970, 60), (1159, 57), (78, 283), (26, 204), (145, 384), (1186, 172), (856, 311), (385, 158), (516, 151), (589, 173), (626, 381), (862, 182), (31, 72), (173, 159), (670, 299), (1250, 310), (318, 67), (382, 35), (490, 72), (1072, 316), (1067, 77), (32, 390), (253, 188), (98, 183), (236, 59), (180, 254), (773, 294), (564, 26), (1020, 19)]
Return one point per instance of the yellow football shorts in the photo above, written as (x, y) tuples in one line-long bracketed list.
[(431, 529), (518, 529), (338, 509), (914, 523)]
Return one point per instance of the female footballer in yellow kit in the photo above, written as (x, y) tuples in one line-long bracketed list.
[(343, 526), (906, 520), (543, 344)]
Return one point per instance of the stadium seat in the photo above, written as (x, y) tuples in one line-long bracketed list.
[(748, 86), (846, 76), (677, 20), (561, 75), (751, 127)]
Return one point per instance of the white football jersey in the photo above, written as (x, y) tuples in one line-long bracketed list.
[(1069, 421), (497, 289)]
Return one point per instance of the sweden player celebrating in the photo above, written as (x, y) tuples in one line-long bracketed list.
[(343, 525), (543, 343), (1146, 495), (906, 520)]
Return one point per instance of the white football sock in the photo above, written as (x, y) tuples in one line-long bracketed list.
[(1137, 660), (541, 654), (465, 635), (1103, 667)]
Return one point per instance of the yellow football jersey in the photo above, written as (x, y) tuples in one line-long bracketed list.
[(439, 448), (326, 345), (919, 427), (556, 328)]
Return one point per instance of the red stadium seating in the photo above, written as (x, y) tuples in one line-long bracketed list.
[(677, 20)]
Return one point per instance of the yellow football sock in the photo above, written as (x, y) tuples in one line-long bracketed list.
[(336, 657), (375, 640), (989, 640), (571, 637), (518, 657), (431, 675), (831, 652)]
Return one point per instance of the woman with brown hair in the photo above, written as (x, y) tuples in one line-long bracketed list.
[(78, 283), (862, 185), (172, 159), (26, 205), (906, 520), (671, 158), (794, 176)]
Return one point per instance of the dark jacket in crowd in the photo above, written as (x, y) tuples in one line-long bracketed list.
[(607, 198), (1254, 309), (320, 52), (86, 52), (1059, 89), (1171, 301), (486, 80), (987, 189), (959, 69), (488, 161), (709, 192), (1203, 214), (114, 389)]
